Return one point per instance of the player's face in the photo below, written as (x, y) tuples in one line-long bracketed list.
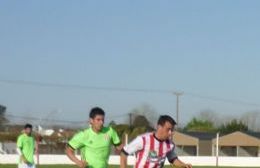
[(28, 131), (97, 122), (167, 130)]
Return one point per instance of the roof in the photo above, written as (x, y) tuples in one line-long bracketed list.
[(254, 134), (202, 135), (237, 139), (185, 140)]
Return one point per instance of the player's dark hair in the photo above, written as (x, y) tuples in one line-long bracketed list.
[(28, 126), (165, 118), (96, 111)]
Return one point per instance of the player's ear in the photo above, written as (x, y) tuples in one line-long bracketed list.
[(158, 126), (90, 121)]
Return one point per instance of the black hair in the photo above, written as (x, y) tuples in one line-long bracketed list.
[(165, 118), (96, 111), (28, 126)]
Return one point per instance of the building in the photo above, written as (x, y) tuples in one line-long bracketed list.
[(186, 145), (237, 144), (205, 142)]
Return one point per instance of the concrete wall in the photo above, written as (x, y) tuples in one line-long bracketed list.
[(114, 160), (238, 151)]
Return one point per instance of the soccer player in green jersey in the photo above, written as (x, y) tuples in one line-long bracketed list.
[(26, 147), (94, 143)]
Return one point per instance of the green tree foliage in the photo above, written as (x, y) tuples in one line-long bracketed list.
[(122, 129), (232, 126), (112, 123), (3, 119), (144, 115), (140, 125), (137, 131), (199, 125), (141, 121)]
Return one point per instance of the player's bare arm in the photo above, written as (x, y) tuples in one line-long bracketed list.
[(71, 154), (123, 160), (179, 163), (19, 151), (119, 147), (24, 159)]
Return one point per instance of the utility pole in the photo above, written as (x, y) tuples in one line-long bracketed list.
[(177, 94), (130, 119)]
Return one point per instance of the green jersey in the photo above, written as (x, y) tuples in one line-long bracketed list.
[(95, 147), (26, 144)]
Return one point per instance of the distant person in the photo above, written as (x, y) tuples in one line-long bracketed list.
[(94, 143), (26, 148), (153, 148)]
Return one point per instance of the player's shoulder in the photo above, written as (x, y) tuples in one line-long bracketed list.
[(142, 138), (145, 135), (21, 136), (111, 129), (83, 132), (108, 129), (33, 136), (170, 143)]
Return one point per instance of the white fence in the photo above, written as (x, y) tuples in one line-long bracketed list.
[(114, 160)]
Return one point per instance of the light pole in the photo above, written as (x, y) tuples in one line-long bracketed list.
[(177, 94)]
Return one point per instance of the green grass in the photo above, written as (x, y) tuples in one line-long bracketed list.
[(73, 166)]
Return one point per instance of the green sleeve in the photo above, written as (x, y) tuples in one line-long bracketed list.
[(77, 140), (115, 138), (20, 141)]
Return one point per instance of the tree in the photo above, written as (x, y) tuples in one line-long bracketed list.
[(112, 123), (199, 125), (137, 131), (144, 115), (232, 126), (140, 121), (141, 118), (251, 120), (3, 119), (210, 115)]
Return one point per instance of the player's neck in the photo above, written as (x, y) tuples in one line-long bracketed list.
[(95, 130), (158, 136)]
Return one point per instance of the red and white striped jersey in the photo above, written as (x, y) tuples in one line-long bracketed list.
[(150, 151)]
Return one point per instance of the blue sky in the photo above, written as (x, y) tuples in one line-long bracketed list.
[(209, 48)]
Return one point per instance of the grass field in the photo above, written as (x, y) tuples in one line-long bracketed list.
[(71, 166)]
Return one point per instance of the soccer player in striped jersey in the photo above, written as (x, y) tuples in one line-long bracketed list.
[(153, 148)]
